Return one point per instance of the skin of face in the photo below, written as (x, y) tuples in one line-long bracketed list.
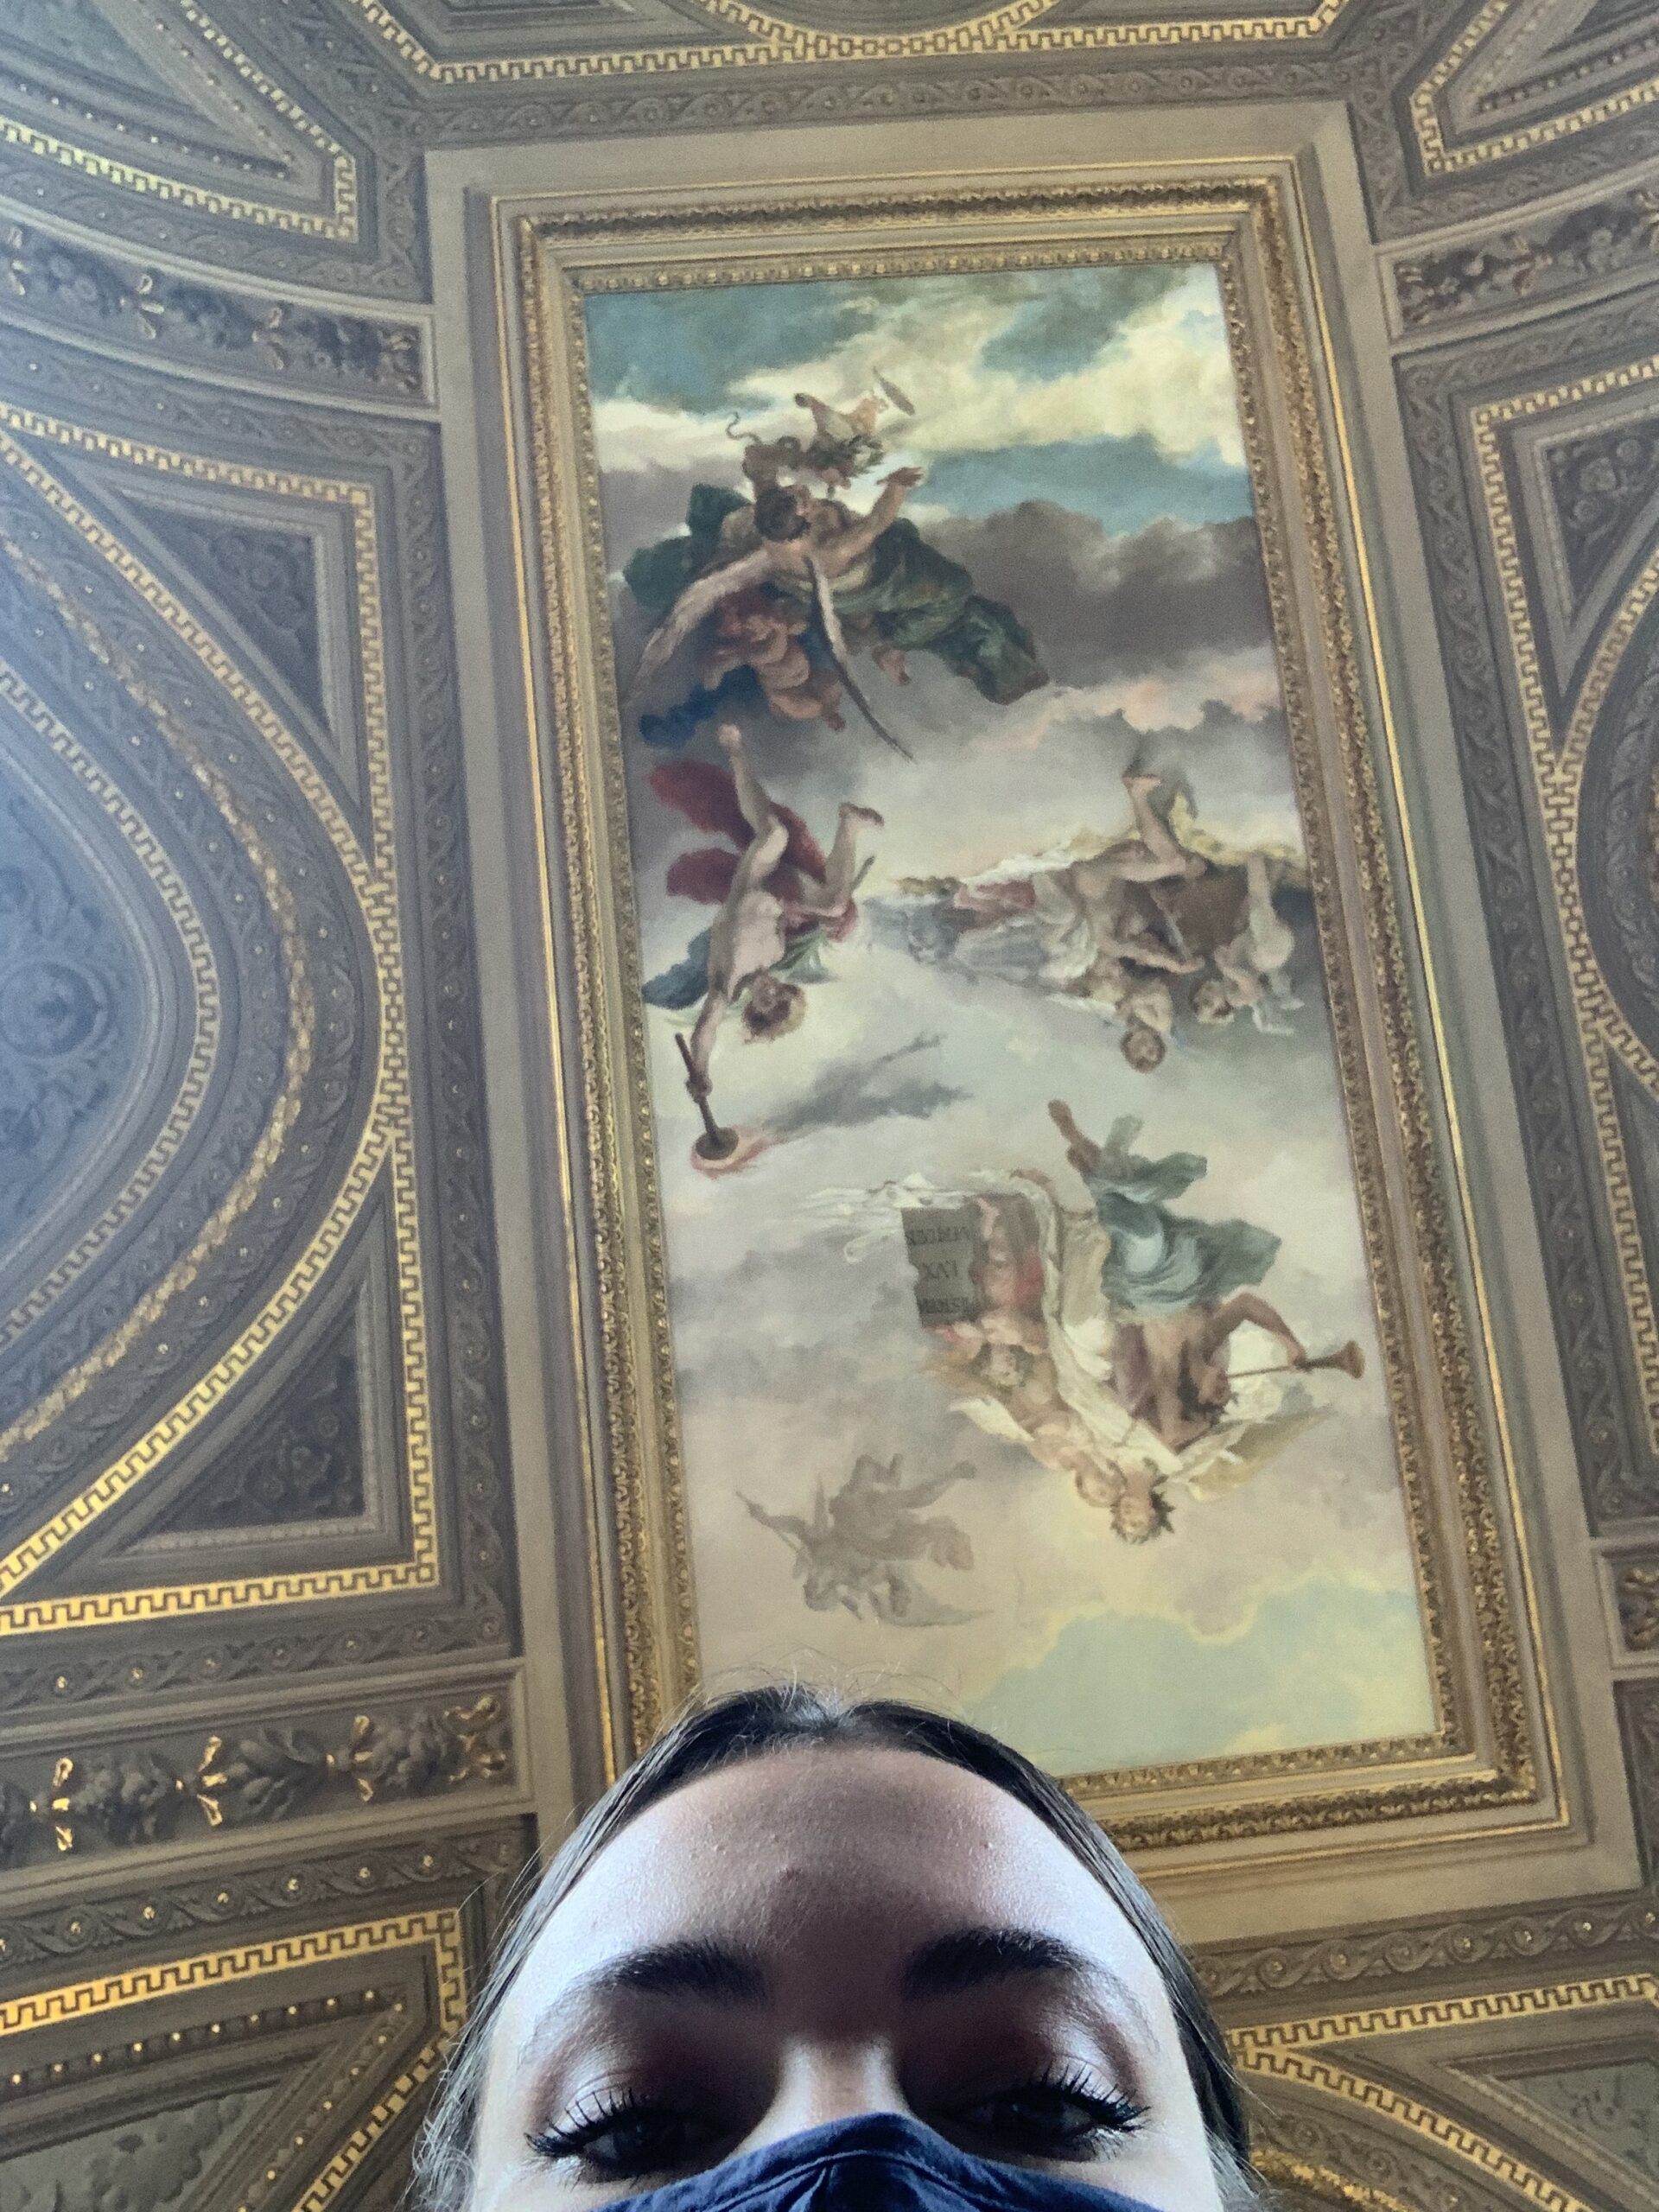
[(1135, 1516), (812, 1937)]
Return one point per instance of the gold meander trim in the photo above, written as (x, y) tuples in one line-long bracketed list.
[(1016, 29), (1295, 2052), (1013, 29), (339, 222), (239, 1962), (36, 1418), (436, 1933), (1440, 158), (644, 1504), (1325, 2182), (1605, 1037), (386, 1142), (206, 1001)]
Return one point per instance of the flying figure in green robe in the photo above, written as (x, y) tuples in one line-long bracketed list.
[(868, 579)]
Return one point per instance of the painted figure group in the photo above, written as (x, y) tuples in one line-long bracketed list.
[(1098, 1339)]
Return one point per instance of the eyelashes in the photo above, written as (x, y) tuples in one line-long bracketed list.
[(623, 2135), (1060, 2114)]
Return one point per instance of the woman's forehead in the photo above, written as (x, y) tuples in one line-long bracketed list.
[(893, 1845)]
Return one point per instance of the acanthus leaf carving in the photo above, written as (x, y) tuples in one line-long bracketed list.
[(96, 293), (1636, 1584), (18, 1819), (302, 1463), (275, 1772), (1616, 1466), (118, 1796), (267, 1774), (1618, 232), (126, 1797), (1599, 482), (428, 1750)]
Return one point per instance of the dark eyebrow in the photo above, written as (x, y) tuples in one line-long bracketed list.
[(692, 1968), (968, 1958)]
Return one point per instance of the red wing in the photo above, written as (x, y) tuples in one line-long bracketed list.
[(705, 875), (707, 795)]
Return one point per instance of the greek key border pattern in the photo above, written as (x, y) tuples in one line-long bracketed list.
[(1604, 1034), (1491, 2160), (146, 1985), (438, 1932), (1442, 158), (206, 998), (387, 1141), (341, 222), (1525, 2001), (302, 1032), (1289, 2051), (1009, 31)]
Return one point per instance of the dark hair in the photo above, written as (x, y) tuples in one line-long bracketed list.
[(1143, 1048), (985, 1358), (784, 1716), (1159, 1516), (788, 1013), (777, 513)]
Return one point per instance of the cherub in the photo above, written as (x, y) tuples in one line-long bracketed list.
[(875, 573), (845, 444), (781, 893), (1180, 1288), (760, 631), (801, 543), (1100, 930), (858, 1547)]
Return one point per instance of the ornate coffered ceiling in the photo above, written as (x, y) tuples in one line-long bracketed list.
[(297, 1652)]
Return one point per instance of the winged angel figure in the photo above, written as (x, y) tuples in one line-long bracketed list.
[(858, 1547), (792, 580)]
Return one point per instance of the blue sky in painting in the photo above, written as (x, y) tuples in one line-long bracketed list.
[(1001, 368), (687, 349), (1057, 321)]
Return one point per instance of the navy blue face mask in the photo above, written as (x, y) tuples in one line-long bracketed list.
[(880, 2162)]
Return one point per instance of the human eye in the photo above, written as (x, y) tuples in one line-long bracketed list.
[(1061, 2113), (625, 2136)]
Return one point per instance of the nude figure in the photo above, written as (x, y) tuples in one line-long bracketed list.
[(757, 630), (1250, 967), (798, 530), (748, 937)]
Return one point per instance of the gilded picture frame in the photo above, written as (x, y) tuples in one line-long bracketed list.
[(1480, 1754)]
